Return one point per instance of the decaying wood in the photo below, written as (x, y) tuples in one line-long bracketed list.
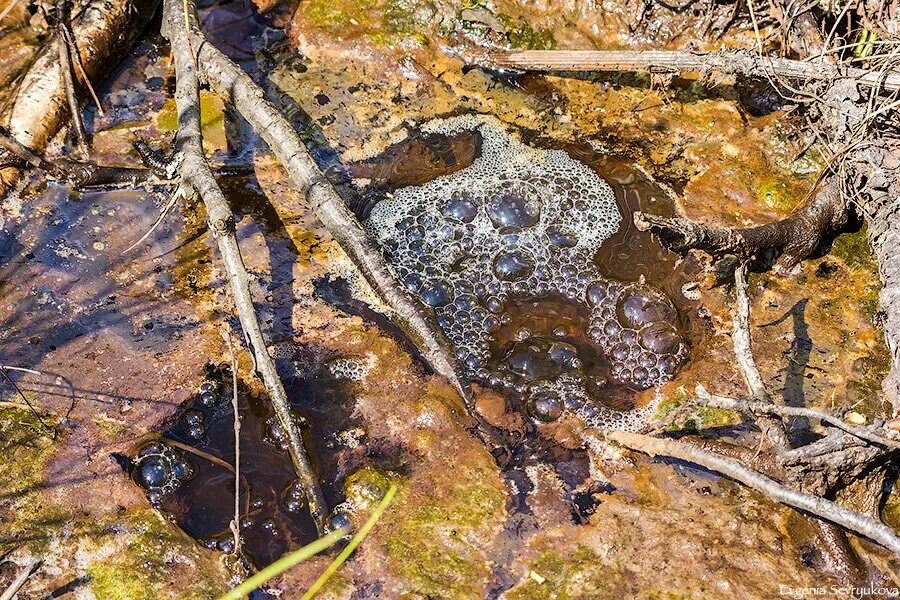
[(795, 237), (104, 29), (814, 505), (196, 175), (730, 62), (328, 206)]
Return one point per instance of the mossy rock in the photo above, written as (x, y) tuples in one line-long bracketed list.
[(141, 556)]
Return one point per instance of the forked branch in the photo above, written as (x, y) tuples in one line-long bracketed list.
[(197, 177), (328, 206)]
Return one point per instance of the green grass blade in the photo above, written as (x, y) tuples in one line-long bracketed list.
[(283, 564), (359, 537)]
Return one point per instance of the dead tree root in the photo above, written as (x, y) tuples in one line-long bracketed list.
[(795, 238)]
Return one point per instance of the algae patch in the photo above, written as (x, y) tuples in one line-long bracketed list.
[(434, 541), (142, 556)]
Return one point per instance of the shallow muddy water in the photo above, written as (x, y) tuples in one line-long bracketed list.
[(271, 523), (132, 364)]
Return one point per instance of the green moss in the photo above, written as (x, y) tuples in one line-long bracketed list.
[(365, 487), (331, 14), (854, 250), (524, 36), (157, 561), (416, 546), (700, 417), (26, 445), (339, 586), (578, 575), (773, 193)]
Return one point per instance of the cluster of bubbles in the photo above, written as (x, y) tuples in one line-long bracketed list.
[(362, 491), (277, 435), (351, 368), (293, 496), (519, 223), (160, 470)]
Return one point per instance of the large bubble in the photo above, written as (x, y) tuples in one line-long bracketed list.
[(522, 222)]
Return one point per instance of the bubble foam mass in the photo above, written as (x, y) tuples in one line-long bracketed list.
[(523, 222)]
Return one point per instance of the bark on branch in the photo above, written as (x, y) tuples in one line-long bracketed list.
[(732, 62), (795, 238), (196, 175), (742, 340), (323, 199), (755, 408), (815, 505)]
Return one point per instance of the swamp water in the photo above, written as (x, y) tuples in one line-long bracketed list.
[(537, 277)]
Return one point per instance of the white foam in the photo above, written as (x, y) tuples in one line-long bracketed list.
[(525, 222)]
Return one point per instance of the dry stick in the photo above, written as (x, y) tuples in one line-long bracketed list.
[(732, 62), (328, 206), (237, 444), (65, 67), (820, 507), (767, 408), (17, 583), (23, 153), (196, 174), (772, 428), (79, 64), (8, 9)]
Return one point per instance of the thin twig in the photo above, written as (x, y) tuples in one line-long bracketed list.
[(237, 443), (65, 67), (205, 455), (743, 353), (27, 401), (23, 153), (767, 408), (741, 337), (8, 9), (159, 219), (815, 505), (24, 573), (79, 64)]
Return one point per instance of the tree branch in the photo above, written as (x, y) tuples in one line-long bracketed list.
[(772, 428), (196, 175), (820, 507), (328, 206), (795, 237), (767, 408), (732, 62)]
